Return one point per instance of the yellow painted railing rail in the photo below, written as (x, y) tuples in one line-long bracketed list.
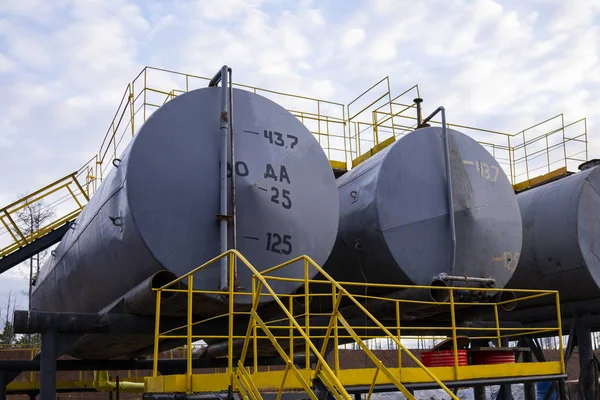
[(15, 232), (296, 330)]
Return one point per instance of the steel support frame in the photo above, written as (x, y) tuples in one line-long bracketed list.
[(48, 366)]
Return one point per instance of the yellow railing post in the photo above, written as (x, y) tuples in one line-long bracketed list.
[(498, 334), (255, 327), (336, 354), (291, 328), (156, 334), (190, 293), (306, 313), (231, 303), (560, 337), (399, 349), (454, 341)]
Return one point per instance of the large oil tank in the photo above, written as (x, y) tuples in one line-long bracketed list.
[(561, 245), (158, 209), (394, 221)]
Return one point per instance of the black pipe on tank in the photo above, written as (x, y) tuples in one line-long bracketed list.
[(418, 102)]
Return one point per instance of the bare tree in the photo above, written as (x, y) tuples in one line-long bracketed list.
[(31, 218), (7, 335)]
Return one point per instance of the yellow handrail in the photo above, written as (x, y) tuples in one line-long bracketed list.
[(288, 329)]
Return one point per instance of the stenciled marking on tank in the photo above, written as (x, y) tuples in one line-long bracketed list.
[(510, 260), (276, 240), (241, 169), (290, 140), (487, 171), (278, 139), (279, 196)]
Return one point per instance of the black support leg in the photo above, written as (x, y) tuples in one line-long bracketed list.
[(587, 366), (505, 392), (479, 392), (529, 386), (3, 385), (562, 389), (48, 367)]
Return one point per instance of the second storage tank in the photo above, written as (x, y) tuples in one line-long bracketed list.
[(394, 214)]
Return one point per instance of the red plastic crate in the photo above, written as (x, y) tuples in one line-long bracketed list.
[(444, 358)]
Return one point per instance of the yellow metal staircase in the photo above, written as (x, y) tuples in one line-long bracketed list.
[(294, 331), (21, 239)]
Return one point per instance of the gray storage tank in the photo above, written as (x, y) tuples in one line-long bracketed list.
[(158, 209), (394, 222), (561, 245)]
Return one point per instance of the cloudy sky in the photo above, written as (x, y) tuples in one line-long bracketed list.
[(496, 64)]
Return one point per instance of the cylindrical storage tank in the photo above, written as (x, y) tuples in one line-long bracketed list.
[(561, 242), (394, 222), (158, 209)]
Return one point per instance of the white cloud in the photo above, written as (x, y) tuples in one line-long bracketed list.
[(353, 37), (500, 65)]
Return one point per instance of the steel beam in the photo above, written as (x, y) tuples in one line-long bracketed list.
[(166, 366), (31, 249)]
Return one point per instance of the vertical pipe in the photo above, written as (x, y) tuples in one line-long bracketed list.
[(233, 179), (118, 389), (224, 131), (418, 102), (449, 191), (48, 367)]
